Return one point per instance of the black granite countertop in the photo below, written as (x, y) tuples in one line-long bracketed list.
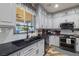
[(11, 47), (76, 36)]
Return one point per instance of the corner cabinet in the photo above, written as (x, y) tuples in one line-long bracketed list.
[(36, 49), (7, 14)]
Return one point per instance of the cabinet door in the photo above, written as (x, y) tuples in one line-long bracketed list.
[(28, 51), (56, 22), (37, 24), (77, 10), (77, 44), (41, 20), (51, 40), (8, 13), (40, 48), (77, 20), (41, 44), (37, 21), (48, 23), (56, 38)]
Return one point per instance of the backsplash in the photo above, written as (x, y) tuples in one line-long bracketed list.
[(6, 35), (69, 32)]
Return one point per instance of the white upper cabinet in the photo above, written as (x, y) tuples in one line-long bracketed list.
[(77, 10), (41, 21), (71, 15), (37, 21), (49, 22), (45, 21), (57, 22), (7, 13), (54, 20), (77, 20)]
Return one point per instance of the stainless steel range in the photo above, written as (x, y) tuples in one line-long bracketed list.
[(68, 42)]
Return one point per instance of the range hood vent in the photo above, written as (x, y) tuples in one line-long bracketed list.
[(67, 25)]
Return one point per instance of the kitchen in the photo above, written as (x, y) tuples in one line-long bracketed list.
[(39, 29)]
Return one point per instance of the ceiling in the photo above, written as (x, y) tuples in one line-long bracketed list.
[(49, 7)]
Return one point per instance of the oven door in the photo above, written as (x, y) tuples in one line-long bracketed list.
[(68, 41)]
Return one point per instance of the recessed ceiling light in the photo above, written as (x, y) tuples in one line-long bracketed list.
[(56, 6)]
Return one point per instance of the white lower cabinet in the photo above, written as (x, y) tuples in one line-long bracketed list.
[(54, 40), (40, 49), (51, 40), (36, 49), (28, 51), (77, 44)]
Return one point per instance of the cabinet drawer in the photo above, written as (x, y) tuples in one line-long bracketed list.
[(28, 52)]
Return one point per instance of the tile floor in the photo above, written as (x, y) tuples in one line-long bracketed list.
[(56, 51)]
